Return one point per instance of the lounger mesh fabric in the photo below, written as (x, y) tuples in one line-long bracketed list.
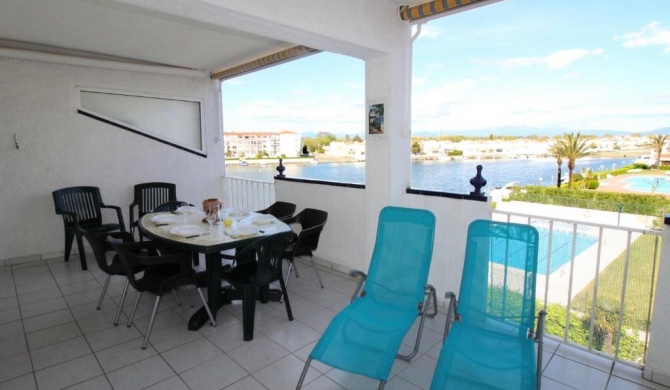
[(365, 337), (489, 347)]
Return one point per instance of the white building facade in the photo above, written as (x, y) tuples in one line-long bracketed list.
[(271, 144)]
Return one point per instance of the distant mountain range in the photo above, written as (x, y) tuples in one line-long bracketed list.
[(516, 131)]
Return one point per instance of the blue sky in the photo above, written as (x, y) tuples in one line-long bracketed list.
[(535, 63)]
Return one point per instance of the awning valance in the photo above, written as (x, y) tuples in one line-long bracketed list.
[(260, 63), (432, 8)]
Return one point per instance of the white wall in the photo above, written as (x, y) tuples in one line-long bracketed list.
[(343, 240), (60, 148)]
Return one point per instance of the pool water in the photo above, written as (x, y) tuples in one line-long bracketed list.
[(657, 184), (561, 250)]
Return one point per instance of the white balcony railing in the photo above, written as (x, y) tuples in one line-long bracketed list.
[(247, 194), (597, 283)]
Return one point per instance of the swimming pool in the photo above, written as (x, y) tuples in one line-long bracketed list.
[(657, 184), (561, 250)]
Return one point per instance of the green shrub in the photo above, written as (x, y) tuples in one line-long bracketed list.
[(653, 205), (453, 153), (593, 184)]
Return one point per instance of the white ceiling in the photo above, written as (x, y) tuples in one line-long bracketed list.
[(107, 29), (99, 30)]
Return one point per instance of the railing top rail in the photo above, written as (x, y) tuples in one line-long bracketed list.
[(587, 223), (245, 179)]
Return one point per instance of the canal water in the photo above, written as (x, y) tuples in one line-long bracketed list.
[(444, 176)]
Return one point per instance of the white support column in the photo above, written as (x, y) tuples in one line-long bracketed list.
[(387, 163), (657, 367)]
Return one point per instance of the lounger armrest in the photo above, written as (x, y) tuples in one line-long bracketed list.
[(361, 280), (452, 312), (539, 337)]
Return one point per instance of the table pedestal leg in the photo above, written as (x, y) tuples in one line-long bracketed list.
[(215, 297)]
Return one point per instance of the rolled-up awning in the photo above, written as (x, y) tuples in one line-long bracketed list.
[(433, 8), (264, 62)]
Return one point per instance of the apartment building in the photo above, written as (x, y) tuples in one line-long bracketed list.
[(274, 144)]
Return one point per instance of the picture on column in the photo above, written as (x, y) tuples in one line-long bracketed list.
[(376, 118)]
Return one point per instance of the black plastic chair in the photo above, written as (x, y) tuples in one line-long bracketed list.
[(162, 274), (148, 196), (280, 210), (311, 222), (81, 208), (258, 265), (100, 246)]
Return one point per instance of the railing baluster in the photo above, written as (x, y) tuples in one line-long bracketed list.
[(623, 295), (572, 273)]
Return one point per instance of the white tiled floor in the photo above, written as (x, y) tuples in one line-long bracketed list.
[(52, 337)]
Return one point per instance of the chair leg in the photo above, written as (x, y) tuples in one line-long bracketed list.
[(176, 297), (104, 290), (318, 276), (123, 299), (248, 311), (132, 315), (209, 312), (69, 239), (82, 255), (151, 321), (304, 373), (288, 272), (188, 297), (285, 297)]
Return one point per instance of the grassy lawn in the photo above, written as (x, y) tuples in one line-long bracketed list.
[(639, 283)]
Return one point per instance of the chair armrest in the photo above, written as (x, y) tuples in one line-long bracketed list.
[(131, 215), (183, 259), (362, 277), (290, 220), (123, 235), (119, 215), (452, 312)]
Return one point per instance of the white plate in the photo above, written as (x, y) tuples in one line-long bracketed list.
[(163, 218), (187, 209), (186, 230), (243, 232), (263, 219)]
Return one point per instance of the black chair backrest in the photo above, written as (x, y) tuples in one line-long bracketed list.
[(268, 252), (280, 210), (148, 196), (85, 202), (170, 206), (311, 222)]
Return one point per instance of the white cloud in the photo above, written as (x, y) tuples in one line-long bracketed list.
[(556, 60), (430, 31), (571, 75), (466, 106), (651, 35)]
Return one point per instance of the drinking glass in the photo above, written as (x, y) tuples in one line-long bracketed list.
[(212, 215)]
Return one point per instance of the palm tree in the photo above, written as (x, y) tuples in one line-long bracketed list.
[(657, 143), (574, 148), (557, 151)]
